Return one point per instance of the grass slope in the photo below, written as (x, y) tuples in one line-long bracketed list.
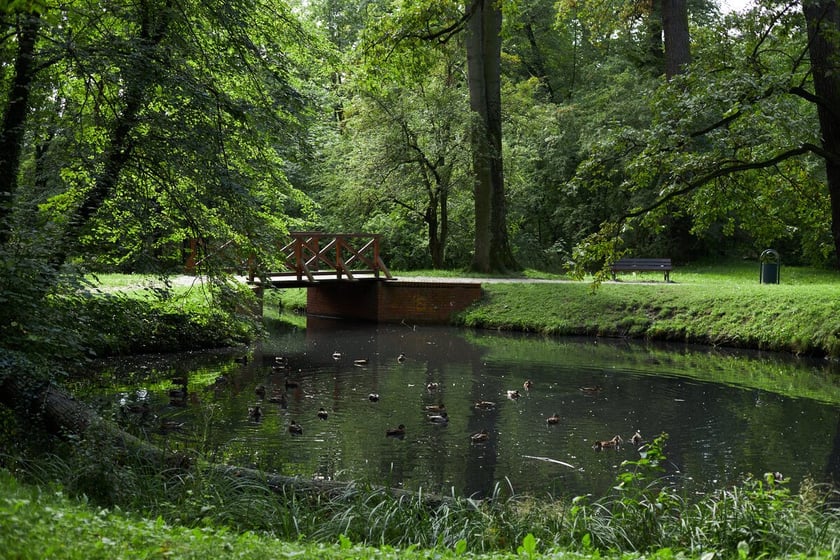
[(708, 305)]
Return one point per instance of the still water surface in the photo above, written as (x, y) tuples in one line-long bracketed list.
[(726, 414)]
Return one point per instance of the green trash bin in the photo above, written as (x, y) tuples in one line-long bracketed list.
[(770, 267)]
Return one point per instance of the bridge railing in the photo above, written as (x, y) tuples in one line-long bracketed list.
[(311, 255)]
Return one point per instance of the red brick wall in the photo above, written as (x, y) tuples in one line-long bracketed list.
[(392, 302)]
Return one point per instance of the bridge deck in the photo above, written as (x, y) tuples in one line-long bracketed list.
[(291, 280)]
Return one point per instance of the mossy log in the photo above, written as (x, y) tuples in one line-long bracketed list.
[(62, 414)]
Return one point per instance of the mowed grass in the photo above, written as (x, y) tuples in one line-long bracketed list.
[(716, 304)]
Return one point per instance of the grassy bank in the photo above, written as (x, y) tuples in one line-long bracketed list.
[(720, 305), (779, 318)]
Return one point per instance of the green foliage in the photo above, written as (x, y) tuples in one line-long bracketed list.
[(123, 323)]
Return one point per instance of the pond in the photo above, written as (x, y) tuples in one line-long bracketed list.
[(727, 414)]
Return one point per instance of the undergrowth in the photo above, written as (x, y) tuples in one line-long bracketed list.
[(643, 514)]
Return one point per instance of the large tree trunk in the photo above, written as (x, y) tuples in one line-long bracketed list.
[(823, 20), (676, 36), (14, 115), (484, 48)]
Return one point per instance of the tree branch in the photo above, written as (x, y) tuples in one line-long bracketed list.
[(723, 171)]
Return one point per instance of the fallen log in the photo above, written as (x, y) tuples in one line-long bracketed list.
[(61, 413)]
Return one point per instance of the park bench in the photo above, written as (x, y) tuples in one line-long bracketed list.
[(643, 265)]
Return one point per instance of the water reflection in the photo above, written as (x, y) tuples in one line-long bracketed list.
[(727, 414)]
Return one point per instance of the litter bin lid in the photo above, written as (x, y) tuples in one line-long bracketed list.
[(768, 256)]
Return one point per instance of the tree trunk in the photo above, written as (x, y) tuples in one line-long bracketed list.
[(677, 41), (484, 48), (153, 29), (14, 116), (823, 21)]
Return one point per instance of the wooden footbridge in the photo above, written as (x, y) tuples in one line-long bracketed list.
[(346, 277), (312, 257)]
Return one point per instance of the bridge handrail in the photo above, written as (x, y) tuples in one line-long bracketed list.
[(304, 255)]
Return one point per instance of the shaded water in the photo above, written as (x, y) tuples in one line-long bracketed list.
[(726, 414)]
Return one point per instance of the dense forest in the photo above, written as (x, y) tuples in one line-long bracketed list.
[(553, 134)]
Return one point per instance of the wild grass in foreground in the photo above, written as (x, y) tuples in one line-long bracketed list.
[(189, 514)]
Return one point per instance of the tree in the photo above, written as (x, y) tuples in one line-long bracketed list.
[(483, 43), (823, 25), (399, 160), (155, 103), (733, 145)]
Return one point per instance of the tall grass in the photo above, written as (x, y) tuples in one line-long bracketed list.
[(761, 517)]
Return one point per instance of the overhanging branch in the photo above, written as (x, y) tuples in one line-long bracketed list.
[(727, 170)]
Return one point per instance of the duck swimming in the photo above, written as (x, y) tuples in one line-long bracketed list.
[(295, 429), (636, 439), (553, 419), (401, 357), (432, 386), (254, 412), (323, 414), (278, 397), (513, 394), (485, 405), (613, 443), (397, 432), (435, 408), (528, 385), (441, 418), (373, 397), (480, 437)]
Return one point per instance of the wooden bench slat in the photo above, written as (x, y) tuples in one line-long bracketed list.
[(638, 264)]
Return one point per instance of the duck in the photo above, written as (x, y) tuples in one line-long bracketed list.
[(441, 418), (591, 390), (295, 429), (281, 361), (433, 386), (553, 419), (260, 391), (241, 360), (485, 405), (528, 385), (397, 432), (513, 394), (168, 426), (278, 397), (254, 412), (480, 437), (137, 408), (373, 397), (178, 397), (336, 356), (401, 357), (360, 362), (323, 414), (637, 438), (435, 408), (613, 443)]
